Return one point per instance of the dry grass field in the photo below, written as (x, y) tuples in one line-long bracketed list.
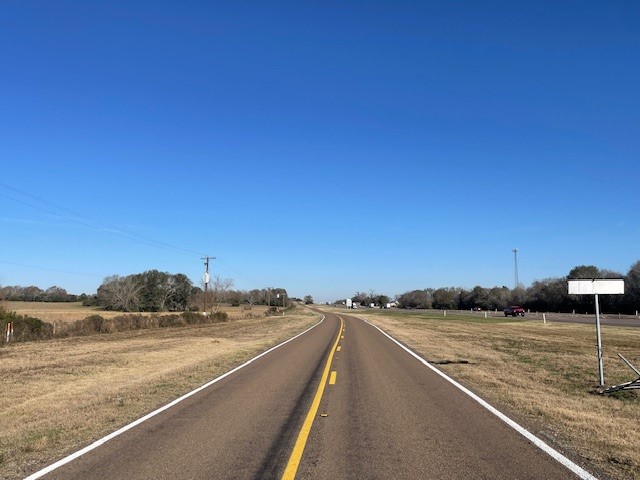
[(543, 376), (59, 395), (68, 312)]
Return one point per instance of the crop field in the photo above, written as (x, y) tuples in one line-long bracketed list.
[(543, 376), (59, 395)]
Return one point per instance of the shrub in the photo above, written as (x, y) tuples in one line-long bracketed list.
[(87, 326), (25, 328), (172, 321), (193, 318), (219, 317)]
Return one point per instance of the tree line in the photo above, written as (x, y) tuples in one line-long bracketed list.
[(155, 291), (36, 294), (548, 295)]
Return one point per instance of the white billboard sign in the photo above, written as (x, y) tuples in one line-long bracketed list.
[(607, 286)]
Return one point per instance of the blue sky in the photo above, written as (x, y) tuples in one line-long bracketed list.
[(325, 147)]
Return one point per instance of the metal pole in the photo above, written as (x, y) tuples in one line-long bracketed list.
[(600, 366), (515, 259)]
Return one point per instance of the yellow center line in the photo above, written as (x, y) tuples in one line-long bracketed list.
[(332, 378), (301, 442)]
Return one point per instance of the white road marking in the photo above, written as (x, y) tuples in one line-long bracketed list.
[(105, 439), (579, 471)]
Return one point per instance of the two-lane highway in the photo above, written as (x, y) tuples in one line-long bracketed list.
[(242, 427), (388, 416), (340, 401)]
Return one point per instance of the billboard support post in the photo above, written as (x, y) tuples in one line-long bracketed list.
[(599, 344), (595, 286)]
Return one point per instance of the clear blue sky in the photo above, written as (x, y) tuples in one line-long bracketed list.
[(325, 147)]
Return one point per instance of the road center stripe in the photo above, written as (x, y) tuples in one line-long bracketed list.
[(301, 442)]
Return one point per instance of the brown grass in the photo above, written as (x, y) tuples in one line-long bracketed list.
[(58, 395), (68, 312), (542, 375)]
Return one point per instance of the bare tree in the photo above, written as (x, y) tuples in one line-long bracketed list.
[(372, 296), (119, 293), (220, 290)]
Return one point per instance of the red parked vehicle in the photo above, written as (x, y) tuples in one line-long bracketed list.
[(514, 311)]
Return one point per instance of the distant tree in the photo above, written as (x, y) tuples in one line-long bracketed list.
[(55, 294), (446, 298), (279, 297), (416, 299), (372, 297), (584, 271), (220, 288), (154, 290), (382, 300), (606, 273), (360, 297), (549, 295), (498, 298), (631, 300), (180, 288), (32, 294), (478, 297), (255, 297), (235, 298), (308, 300), (518, 296), (119, 293)]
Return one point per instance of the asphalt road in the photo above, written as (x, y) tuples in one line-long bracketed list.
[(382, 414)]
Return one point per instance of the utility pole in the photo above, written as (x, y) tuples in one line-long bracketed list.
[(283, 299), (515, 258), (206, 279)]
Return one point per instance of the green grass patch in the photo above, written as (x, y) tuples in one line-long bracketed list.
[(39, 440), (440, 316)]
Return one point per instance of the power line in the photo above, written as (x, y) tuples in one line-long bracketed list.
[(237, 273), (99, 225), (50, 269), (84, 219)]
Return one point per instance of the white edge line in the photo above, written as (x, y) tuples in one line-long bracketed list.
[(135, 423), (579, 471)]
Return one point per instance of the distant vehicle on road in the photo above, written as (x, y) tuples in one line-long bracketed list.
[(477, 309), (514, 311)]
